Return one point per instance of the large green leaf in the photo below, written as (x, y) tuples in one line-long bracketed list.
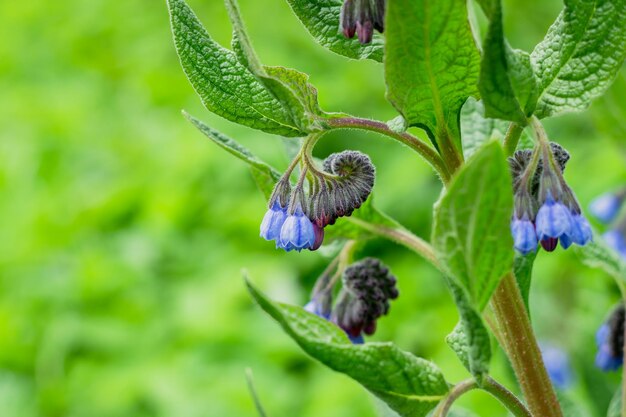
[(470, 339), (224, 84), (411, 386), (580, 56), (507, 82), (321, 19), (431, 61), (471, 234)]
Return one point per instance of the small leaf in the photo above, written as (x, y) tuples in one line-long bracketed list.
[(598, 255), (411, 386), (321, 19), (476, 129), (506, 79), (264, 175), (580, 56), (470, 339), (226, 86), (431, 61), (471, 235), (523, 269)]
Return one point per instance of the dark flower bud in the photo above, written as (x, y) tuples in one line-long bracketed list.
[(362, 17), (610, 341), (368, 286), (351, 184)]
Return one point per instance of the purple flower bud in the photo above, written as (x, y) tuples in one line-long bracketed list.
[(365, 31), (553, 219), (297, 232), (606, 207), (319, 237), (362, 17), (616, 240), (273, 222), (524, 236), (549, 244)]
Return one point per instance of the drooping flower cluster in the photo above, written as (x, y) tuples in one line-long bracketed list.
[(368, 288), (610, 341), (606, 208), (296, 220), (362, 17), (546, 210)]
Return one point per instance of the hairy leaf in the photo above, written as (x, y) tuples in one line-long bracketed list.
[(225, 85), (598, 255), (431, 61), (470, 338), (264, 175), (476, 129), (506, 80), (580, 56), (411, 386), (471, 233), (321, 19)]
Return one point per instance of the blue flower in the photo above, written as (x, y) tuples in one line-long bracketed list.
[(616, 240), (297, 232), (553, 219), (558, 366), (524, 235), (580, 232), (606, 359), (356, 340), (606, 207), (273, 222)]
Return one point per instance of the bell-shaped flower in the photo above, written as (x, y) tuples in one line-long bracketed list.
[(606, 207), (273, 222), (297, 232)]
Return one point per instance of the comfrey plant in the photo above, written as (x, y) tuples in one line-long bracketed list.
[(505, 200)]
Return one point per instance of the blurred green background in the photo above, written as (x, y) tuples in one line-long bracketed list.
[(124, 232)]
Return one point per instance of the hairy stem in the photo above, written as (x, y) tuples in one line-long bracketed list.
[(428, 153), (506, 397), (513, 135), (522, 349)]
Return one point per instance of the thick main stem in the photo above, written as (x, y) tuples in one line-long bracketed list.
[(522, 349)]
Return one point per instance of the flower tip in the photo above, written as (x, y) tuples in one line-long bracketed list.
[(549, 244)]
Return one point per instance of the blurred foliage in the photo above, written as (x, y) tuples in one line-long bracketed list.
[(124, 231)]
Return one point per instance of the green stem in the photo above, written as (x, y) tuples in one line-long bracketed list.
[(451, 155), (506, 397), (513, 135), (522, 349), (428, 153)]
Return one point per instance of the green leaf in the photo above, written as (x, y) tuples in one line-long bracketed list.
[(523, 269), (471, 234), (255, 397), (597, 254), (580, 56), (476, 129), (470, 339), (321, 19), (431, 61), (226, 86), (506, 80), (411, 386), (288, 86), (264, 175)]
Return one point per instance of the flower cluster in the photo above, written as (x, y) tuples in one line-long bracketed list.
[(606, 208), (610, 341), (362, 17), (296, 221), (546, 210), (368, 287)]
